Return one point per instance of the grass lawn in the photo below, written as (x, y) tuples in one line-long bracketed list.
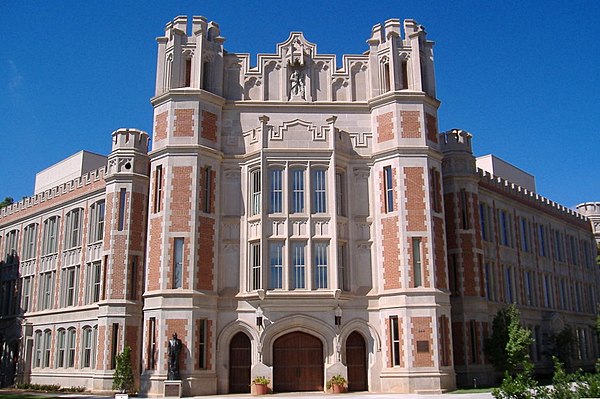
[(472, 390)]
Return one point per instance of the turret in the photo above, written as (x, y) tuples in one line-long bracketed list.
[(592, 211)]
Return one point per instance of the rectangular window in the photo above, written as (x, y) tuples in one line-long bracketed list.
[(87, 347), (207, 190), (27, 283), (122, 200), (69, 285), (547, 292), (297, 191), (453, 275), (178, 263), (388, 188), (30, 241), (114, 345), (71, 348), (152, 343), (202, 344), (340, 194), (10, 246), (525, 233), (395, 340), (416, 262), (50, 239), (276, 200), (46, 291), (435, 190), (529, 288), (47, 348), (73, 229), (319, 203), (276, 265), (38, 349), (298, 265), (158, 188), (97, 221), (563, 294), (543, 251), (473, 336), (255, 190), (464, 210), (133, 279), (343, 282), (93, 274), (256, 283), (61, 348), (558, 245), (504, 228), (487, 274), (321, 250), (508, 285)]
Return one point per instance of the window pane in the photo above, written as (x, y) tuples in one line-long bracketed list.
[(298, 265), (319, 191), (321, 265), (297, 191), (276, 264), (276, 200)]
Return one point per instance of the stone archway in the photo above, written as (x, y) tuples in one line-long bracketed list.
[(298, 363)]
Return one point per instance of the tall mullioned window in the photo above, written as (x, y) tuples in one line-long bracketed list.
[(276, 265), (320, 256), (298, 265), (255, 190), (178, 263), (276, 195), (97, 221), (395, 341), (255, 263), (50, 236), (30, 241), (340, 199), (416, 262), (61, 347), (158, 188), (319, 191), (297, 205), (11, 243), (73, 228), (69, 277)]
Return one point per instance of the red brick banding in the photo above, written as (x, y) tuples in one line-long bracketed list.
[(209, 126), (410, 124), (385, 127), (184, 123), (180, 196), (421, 330), (431, 127), (391, 253), (179, 326), (155, 254), (415, 198), (206, 253), (161, 126), (439, 249)]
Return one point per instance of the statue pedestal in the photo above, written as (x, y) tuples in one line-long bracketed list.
[(172, 389)]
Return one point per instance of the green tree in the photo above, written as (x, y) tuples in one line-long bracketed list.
[(6, 202), (123, 377), (508, 346)]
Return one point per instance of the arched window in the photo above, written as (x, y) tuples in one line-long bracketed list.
[(97, 221), (61, 348), (73, 228)]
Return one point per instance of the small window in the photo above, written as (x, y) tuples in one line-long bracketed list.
[(416, 262), (202, 343), (321, 250), (388, 189), (61, 348), (395, 341), (256, 282), (47, 348), (276, 265), (10, 246), (71, 334), (97, 221), (30, 241), (158, 188), (50, 238), (122, 203), (340, 195), (73, 229), (298, 265), (178, 263)]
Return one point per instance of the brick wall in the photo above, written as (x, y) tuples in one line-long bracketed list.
[(206, 255), (415, 198), (160, 126), (209, 126), (101, 348), (385, 127), (179, 326), (184, 123), (180, 196), (410, 124), (439, 249), (425, 277), (431, 127), (391, 253), (422, 332), (155, 253), (444, 341)]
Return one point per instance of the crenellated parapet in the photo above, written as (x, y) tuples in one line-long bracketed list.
[(592, 211), (456, 140), (531, 198), (91, 181)]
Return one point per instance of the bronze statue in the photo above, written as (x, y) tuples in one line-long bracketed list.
[(174, 349)]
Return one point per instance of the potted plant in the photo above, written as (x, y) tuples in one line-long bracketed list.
[(123, 376), (337, 384), (261, 385)]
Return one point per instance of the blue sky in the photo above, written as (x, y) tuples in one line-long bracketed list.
[(522, 76)]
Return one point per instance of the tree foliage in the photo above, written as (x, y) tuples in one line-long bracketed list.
[(123, 376), (508, 346), (6, 202)]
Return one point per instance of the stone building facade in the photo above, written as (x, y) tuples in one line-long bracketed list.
[(295, 219)]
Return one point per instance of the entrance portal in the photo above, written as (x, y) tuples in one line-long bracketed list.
[(356, 361), (240, 361), (297, 363)]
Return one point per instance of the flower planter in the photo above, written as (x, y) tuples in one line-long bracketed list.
[(337, 388), (261, 389)]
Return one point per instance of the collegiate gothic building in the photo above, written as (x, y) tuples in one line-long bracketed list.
[(296, 219)]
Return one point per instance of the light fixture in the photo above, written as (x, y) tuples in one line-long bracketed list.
[(259, 316), (338, 315)]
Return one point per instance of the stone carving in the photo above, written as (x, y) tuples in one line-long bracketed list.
[(174, 349), (296, 83)]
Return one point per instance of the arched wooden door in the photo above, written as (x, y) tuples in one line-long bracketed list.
[(297, 363), (240, 361), (356, 361)]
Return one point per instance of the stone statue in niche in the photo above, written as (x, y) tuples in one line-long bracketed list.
[(174, 349), (297, 83)]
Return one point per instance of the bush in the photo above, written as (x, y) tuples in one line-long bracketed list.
[(123, 377)]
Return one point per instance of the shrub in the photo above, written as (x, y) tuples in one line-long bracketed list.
[(261, 379)]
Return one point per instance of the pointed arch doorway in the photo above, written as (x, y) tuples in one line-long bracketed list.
[(356, 361), (240, 361), (297, 363)]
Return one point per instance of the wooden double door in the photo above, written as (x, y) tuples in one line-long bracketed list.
[(297, 363)]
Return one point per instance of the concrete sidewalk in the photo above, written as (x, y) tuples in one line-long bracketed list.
[(355, 395)]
